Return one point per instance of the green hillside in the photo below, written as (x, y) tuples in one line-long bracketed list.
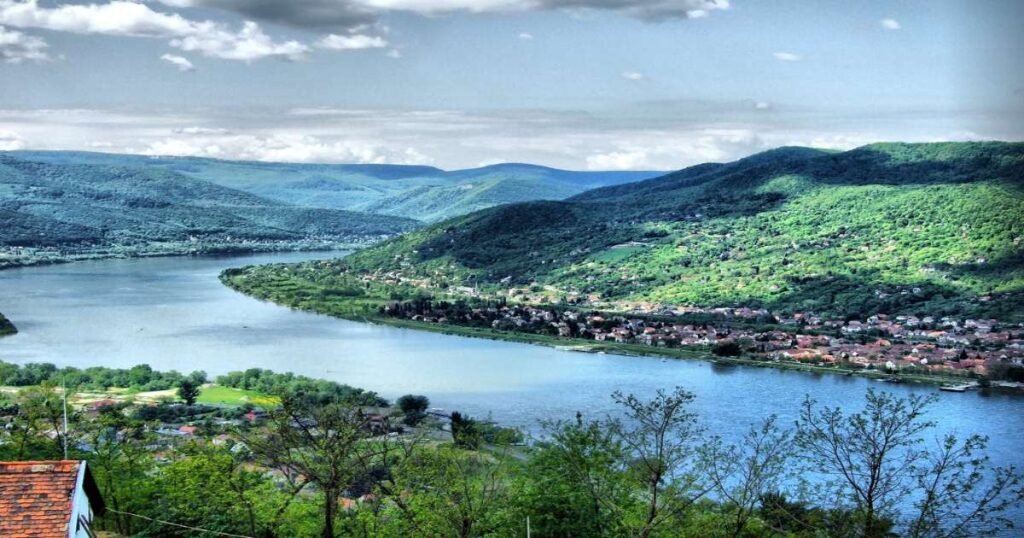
[(43, 204), (419, 192), (933, 229)]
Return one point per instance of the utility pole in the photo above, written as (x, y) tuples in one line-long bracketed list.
[(64, 401)]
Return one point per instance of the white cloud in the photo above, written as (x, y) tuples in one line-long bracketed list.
[(352, 42), (10, 141), (17, 47), (285, 148), (632, 75), (658, 136), (394, 53), (248, 44), (124, 18), (762, 105), (890, 24), (202, 131), (180, 62), (526, 36), (340, 16), (618, 160), (786, 56)]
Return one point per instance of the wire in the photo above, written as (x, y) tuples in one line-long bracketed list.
[(162, 522)]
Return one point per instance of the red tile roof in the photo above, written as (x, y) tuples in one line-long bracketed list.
[(35, 498)]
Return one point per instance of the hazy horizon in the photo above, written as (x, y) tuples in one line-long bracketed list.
[(578, 85)]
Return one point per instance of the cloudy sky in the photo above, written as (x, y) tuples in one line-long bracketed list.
[(580, 84)]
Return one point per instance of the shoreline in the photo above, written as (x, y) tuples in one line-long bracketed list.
[(633, 350), (161, 250)]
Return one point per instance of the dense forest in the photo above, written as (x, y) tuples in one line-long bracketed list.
[(921, 229), (318, 459), (82, 205), (420, 192)]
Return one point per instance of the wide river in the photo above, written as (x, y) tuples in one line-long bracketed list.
[(173, 313)]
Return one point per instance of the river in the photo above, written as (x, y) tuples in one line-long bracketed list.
[(173, 313)]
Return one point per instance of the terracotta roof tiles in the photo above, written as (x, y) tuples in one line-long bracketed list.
[(35, 498)]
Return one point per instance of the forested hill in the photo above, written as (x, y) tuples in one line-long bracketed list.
[(6, 327), (420, 192), (894, 228), (44, 204)]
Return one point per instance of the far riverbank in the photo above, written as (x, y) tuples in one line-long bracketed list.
[(363, 310)]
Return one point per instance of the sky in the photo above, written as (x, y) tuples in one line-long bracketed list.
[(576, 84)]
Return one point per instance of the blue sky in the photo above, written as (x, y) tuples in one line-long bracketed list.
[(599, 84)]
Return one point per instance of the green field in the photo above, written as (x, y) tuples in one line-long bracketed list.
[(218, 395)]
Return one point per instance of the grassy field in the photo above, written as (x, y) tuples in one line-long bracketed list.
[(210, 394), (218, 395)]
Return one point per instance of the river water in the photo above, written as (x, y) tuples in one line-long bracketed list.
[(173, 313)]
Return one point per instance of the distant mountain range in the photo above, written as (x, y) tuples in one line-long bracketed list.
[(419, 192), (928, 229), (59, 203)]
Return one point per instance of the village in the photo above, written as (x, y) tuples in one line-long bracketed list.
[(947, 346)]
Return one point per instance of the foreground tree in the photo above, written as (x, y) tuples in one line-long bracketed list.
[(878, 463), (663, 441), (634, 476), (328, 446), (744, 475)]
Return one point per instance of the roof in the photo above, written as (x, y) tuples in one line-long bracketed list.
[(36, 497)]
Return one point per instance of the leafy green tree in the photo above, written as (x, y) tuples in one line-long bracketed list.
[(453, 492), (414, 408), (211, 488), (324, 445), (188, 391), (465, 431), (575, 483)]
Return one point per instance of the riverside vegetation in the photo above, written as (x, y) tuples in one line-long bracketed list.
[(300, 457), (887, 231)]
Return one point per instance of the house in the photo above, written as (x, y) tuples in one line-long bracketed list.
[(48, 499)]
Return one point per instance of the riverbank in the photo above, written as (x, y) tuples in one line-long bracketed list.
[(363, 308), (14, 257)]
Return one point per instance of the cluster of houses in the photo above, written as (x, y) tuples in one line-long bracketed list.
[(891, 343)]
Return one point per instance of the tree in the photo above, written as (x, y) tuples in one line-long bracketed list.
[(188, 390), (879, 464), (662, 440), (325, 445), (870, 453), (447, 491), (744, 475), (465, 431), (414, 408), (960, 495), (575, 483)]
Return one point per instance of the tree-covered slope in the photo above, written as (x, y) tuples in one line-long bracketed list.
[(6, 327), (44, 204), (895, 228), (419, 192)]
